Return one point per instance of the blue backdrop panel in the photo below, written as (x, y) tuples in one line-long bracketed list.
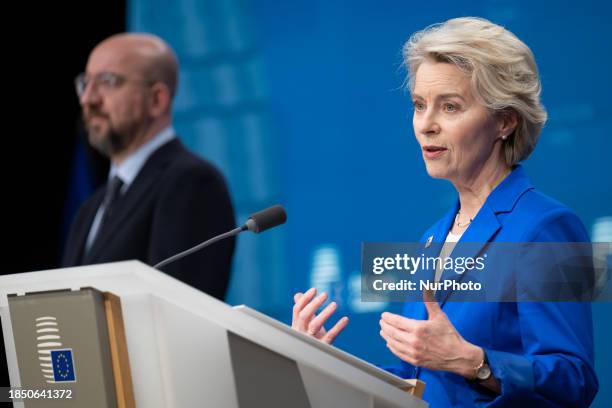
[(301, 102)]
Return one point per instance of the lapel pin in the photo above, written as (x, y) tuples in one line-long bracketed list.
[(428, 243)]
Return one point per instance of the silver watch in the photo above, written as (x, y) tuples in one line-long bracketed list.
[(483, 371)]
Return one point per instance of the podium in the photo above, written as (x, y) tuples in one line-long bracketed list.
[(171, 346)]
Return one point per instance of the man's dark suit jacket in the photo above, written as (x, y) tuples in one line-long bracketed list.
[(176, 201)]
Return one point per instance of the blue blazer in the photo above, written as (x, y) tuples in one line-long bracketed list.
[(541, 352)]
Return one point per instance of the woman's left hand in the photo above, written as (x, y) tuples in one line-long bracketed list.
[(433, 343)]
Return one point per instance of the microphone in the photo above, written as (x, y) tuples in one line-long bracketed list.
[(258, 222), (266, 219)]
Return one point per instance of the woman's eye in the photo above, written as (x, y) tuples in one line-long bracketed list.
[(449, 107), (419, 106)]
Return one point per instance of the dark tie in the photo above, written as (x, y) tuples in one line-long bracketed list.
[(113, 191)]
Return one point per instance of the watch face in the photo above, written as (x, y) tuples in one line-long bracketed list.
[(484, 372)]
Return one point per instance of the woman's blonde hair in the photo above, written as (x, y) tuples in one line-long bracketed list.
[(503, 73)]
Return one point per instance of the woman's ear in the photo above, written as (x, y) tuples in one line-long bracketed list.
[(508, 121)]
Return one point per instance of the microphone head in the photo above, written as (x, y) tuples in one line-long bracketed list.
[(266, 219)]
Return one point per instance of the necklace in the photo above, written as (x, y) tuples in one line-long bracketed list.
[(460, 225)]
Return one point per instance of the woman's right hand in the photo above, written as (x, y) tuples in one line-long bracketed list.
[(306, 321)]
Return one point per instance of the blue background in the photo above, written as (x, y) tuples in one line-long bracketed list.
[(301, 103)]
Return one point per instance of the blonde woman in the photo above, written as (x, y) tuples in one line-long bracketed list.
[(477, 115)]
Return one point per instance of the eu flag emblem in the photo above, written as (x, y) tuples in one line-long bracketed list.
[(63, 365)]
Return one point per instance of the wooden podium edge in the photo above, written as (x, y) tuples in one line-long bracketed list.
[(119, 352), (417, 387)]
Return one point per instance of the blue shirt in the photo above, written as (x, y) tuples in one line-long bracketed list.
[(127, 172)]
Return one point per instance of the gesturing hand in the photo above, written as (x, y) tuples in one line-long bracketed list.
[(433, 343), (306, 321)]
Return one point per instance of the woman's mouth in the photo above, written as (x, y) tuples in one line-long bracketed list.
[(433, 152)]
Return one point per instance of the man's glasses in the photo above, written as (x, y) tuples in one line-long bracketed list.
[(104, 82)]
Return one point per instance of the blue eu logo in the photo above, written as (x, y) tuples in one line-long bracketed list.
[(63, 365)]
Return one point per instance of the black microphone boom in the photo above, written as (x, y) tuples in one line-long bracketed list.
[(257, 222)]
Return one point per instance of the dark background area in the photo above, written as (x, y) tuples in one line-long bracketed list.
[(44, 53)]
